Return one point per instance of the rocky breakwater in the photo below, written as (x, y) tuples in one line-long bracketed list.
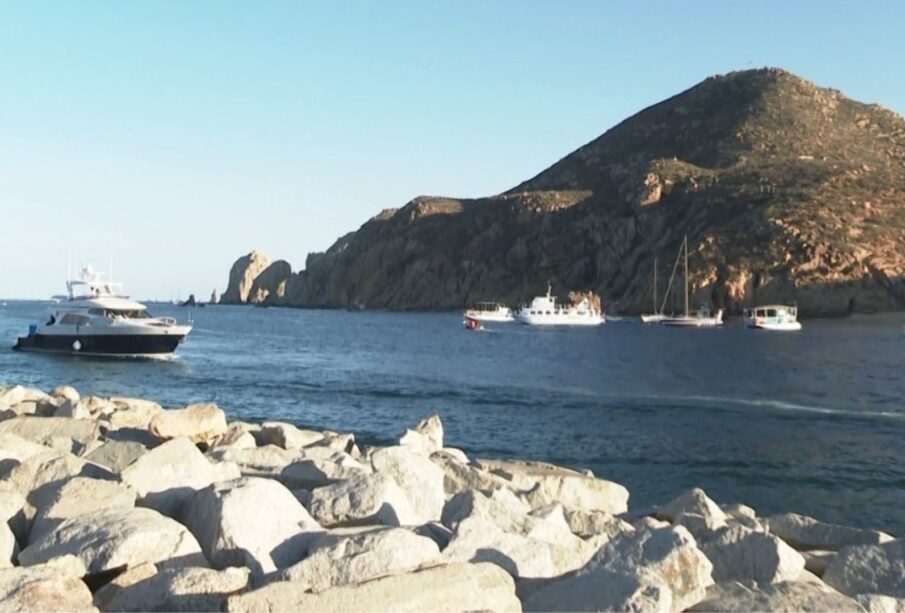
[(119, 504)]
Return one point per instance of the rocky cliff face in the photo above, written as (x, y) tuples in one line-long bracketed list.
[(242, 276), (787, 192)]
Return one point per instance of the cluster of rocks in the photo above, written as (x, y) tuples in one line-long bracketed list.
[(118, 504)]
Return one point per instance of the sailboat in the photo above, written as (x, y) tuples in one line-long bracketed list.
[(657, 316), (702, 317)]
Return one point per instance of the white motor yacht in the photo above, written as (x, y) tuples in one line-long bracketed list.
[(777, 317), (543, 311), (489, 311), (96, 318)]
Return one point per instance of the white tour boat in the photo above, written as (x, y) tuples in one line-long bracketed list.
[(773, 317), (96, 318), (702, 317), (489, 311), (543, 311)]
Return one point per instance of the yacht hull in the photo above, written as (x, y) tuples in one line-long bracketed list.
[(102, 344)]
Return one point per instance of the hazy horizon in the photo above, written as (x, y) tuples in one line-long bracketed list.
[(178, 137)]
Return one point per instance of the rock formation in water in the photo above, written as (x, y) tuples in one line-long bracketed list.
[(242, 276), (788, 192)]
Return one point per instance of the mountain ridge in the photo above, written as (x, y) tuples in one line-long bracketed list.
[(788, 192)]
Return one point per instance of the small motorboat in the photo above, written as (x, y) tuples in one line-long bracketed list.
[(471, 323), (777, 317), (490, 311)]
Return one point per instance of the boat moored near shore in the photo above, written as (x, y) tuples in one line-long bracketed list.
[(489, 311), (777, 317), (544, 311)]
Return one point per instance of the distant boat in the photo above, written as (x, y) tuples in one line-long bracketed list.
[(543, 311), (470, 323), (489, 311), (777, 317), (702, 317), (657, 316)]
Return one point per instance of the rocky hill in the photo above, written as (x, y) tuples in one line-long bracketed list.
[(787, 192)]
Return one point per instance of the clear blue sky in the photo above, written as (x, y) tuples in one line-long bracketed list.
[(181, 135)]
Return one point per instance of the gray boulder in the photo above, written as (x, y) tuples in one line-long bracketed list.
[(869, 569), (175, 589), (197, 422), (360, 500), (789, 596), (802, 532), (740, 554), (43, 588), (78, 496)]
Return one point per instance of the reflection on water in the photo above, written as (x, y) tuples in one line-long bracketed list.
[(810, 421)]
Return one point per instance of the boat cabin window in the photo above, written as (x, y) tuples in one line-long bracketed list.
[(131, 314), (771, 312), (71, 319)]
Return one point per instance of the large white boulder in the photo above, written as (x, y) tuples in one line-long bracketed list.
[(286, 435), (736, 597), (451, 587), (360, 500), (9, 547), (545, 483), (670, 554), (175, 589), (869, 569), (313, 472), (338, 559), (110, 538), (460, 475), (419, 478), (803, 532), (197, 422), (13, 510), (694, 501), (78, 496), (116, 455), (877, 603), (43, 588), (45, 430), (595, 523), (11, 396), (267, 461), (600, 589), (131, 413), (740, 554), (238, 435), (251, 522), (166, 476), (426, 438)]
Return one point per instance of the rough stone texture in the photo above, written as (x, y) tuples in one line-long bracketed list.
[(78, 496), (426, 438), (599, 589), (702, 527), (546, 483), (451, 587), (13, 511), (693, 501), (804, 532), (237, 436), (670, 554), (477, 539), (175, 589), (9, 547), (116, 455), (269, 287), (165, 477), (461, 476), (869, 569), (817, 560), (132, 413), (198, 422), (251, 522), (13, 395), (737, 510), (267, 461), (876, 603), (314, 472), (594, 523), (286, 435), (43, 588), (335, 560), (106, 539), (420, 479), (242, 276), (66, 392), (365, 499), (779, 597), (43, 430), (739, 554)]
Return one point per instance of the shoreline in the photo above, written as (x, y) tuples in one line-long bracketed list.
[(121, 504)]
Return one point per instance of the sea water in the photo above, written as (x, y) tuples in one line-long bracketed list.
[(810, 421)]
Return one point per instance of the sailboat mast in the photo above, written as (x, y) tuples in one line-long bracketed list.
[(686, 275), (655, 286)]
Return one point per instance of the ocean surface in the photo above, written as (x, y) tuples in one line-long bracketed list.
[(811, 422)]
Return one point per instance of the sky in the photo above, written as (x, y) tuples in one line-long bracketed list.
[(174, 137)]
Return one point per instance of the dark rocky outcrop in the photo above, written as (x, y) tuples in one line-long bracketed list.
[(787, 191)]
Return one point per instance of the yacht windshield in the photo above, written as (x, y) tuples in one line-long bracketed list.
[(131, 314)]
